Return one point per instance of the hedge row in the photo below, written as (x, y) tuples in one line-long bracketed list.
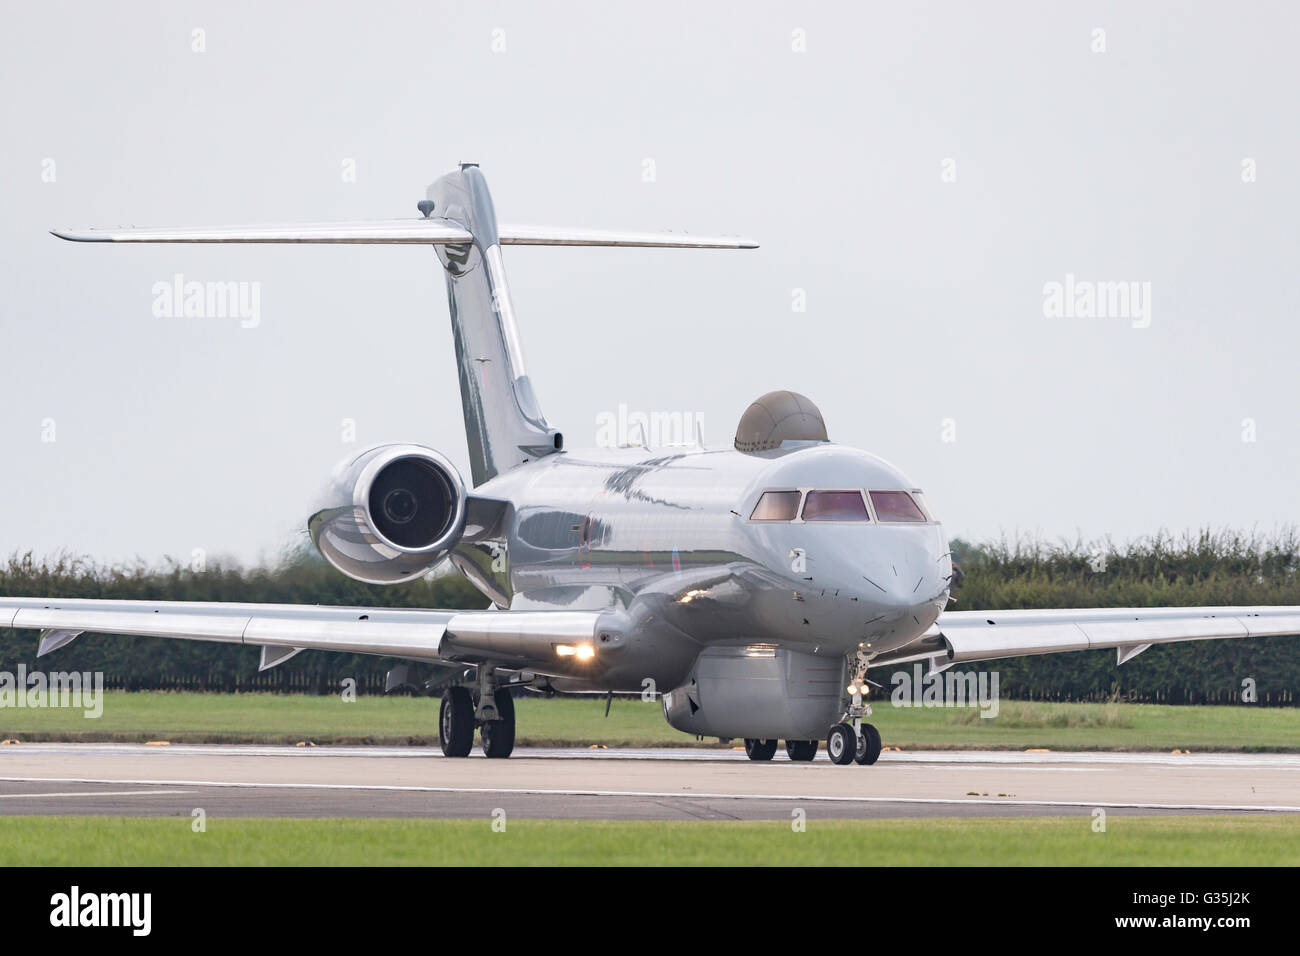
[(1203, 569)]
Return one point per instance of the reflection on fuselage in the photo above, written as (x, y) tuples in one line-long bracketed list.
[(675, 530)]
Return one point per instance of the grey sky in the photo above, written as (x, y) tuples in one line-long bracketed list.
[(924, 298)]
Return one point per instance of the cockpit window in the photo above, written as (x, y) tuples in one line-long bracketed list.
[(895, 506), (776, 506), (924, 505), (835, 506)]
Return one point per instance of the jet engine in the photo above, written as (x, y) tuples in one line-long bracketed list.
[(390, 514)]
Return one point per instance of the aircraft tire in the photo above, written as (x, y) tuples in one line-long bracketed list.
[(801, 751), (868, 750), (499, 735), (456, 722), (759, 749), (841, 744)]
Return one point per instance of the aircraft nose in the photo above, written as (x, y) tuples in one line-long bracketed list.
[(904, 578)]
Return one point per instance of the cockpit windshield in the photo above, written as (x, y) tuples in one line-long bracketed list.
[(895, 506), (892, 507), (776, 506), (834, 506)]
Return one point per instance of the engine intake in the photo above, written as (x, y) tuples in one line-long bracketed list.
[(390, 514)]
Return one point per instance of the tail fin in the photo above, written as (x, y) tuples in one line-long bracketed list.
[(504, 426)]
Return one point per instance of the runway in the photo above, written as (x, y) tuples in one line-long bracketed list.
[(669, 784)]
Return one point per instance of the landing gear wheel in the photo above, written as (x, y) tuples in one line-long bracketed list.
[(499, 735), (760, 749), (801, 750), (868, 745), (456, 722), (841, 744)]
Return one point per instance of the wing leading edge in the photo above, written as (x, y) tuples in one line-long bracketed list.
[(507, 638), (963, 636)]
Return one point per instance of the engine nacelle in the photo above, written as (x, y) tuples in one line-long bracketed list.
[(390, 514)]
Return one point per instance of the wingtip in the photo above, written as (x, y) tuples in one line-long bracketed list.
[(78, 235)]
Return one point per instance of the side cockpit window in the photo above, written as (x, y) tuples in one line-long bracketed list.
[(895, 506), (776, 506), (835, 506)]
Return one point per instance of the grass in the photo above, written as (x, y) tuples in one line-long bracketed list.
[(286, 718), (1128, 841)]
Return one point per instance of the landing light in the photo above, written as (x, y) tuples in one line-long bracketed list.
[(583, 652)]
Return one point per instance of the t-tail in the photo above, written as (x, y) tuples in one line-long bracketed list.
[(504, 425)]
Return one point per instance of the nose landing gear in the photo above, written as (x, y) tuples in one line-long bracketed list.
[(852, 741)]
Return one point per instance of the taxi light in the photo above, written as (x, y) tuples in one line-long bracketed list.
[(584, 652)]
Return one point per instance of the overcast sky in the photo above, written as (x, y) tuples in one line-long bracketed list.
[(922, 172)]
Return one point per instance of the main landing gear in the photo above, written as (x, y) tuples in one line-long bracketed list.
[(493, 714), (757, 748)]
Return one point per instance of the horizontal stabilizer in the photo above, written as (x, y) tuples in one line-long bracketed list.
[(386, 231), (553, 236), (399, 232)]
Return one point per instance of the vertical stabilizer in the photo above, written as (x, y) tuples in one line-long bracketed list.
[(504, 426)]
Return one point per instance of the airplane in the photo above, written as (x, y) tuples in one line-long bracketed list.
[(751, 588)]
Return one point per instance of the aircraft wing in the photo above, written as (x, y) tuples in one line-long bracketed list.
[(512, 639), (960, 636)]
